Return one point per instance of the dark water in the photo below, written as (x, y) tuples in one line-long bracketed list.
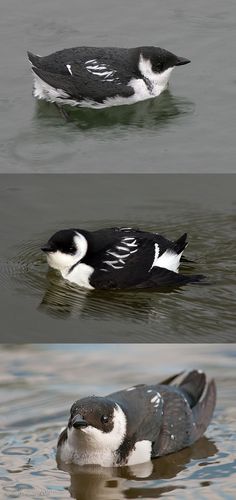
[(37, 305), (191, 128), (39, 383)]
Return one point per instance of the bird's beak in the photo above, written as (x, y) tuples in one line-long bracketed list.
[(181, 61), (46, 249), (79, 422)]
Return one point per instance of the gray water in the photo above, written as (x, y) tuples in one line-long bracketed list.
[(190, 128), (38, 384), (37, 305)]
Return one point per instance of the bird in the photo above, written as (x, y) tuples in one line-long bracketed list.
[(135, 425), (100, 77), (117, 258)]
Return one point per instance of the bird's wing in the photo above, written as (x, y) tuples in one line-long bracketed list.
[(125, 263), (177, 423), (79, 82), (143, 406), (186, 414)]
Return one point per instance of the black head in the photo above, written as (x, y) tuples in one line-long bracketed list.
[(92, 411), (62, 241), (65, 248), (162, 59)]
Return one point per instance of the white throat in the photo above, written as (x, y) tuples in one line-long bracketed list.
[(90, 445), (158, 81)]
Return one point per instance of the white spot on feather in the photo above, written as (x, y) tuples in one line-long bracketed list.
[(156, 399), (69, 68)]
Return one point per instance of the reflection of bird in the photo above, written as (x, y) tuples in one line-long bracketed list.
[(150, 114), (142, 422), (117, 258), (98, 77)]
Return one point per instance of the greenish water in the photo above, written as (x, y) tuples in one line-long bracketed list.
[(37, 305), (190, 128), (39, 383)]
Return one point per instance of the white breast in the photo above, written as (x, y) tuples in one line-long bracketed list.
[(141, 453), (80, 275), (90, 445)]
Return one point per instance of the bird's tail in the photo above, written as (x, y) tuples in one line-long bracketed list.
[(35, 60), (180, 244), (203, 411), (193, 386), (202, 400), (164, 277)]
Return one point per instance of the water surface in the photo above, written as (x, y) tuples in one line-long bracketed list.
[(39, 383), (190, 128), (38, 305)]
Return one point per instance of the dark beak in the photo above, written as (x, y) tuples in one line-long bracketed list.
[(181, 61), (79, 422), (46, 249)]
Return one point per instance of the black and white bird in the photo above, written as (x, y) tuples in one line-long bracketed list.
[(117, 258), (99, 77), (133, 426)]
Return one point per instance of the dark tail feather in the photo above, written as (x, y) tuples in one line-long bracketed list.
[(181, 243), (166, 277), (35, 60), (56, 80), (184, 259), (160, 277), (193, 385), (168, 380), (203, 411)]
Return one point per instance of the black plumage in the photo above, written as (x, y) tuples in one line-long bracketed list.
[(98, 73), (169, 415), (125, 257)]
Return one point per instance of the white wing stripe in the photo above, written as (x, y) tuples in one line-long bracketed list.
[(69, 68), (101, 74), (117, 255), (111, 262), (134, 244), (122, 248)]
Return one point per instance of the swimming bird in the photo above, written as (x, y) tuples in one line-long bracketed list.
[(117, 258), (134, 425), (99, 77)]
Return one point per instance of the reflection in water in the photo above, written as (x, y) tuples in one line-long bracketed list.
[(97, 483), (153, 113), (63, 299)]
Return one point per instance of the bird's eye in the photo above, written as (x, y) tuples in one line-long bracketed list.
[(104, 419), (71, 249)]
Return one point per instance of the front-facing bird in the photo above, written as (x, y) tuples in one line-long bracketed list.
[(117, 258), (100, 77), (142, 422)]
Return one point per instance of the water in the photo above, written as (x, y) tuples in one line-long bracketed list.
[(190, 128), (37, 305), (39, 383)]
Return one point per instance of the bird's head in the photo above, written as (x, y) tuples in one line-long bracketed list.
[(65, 248)]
